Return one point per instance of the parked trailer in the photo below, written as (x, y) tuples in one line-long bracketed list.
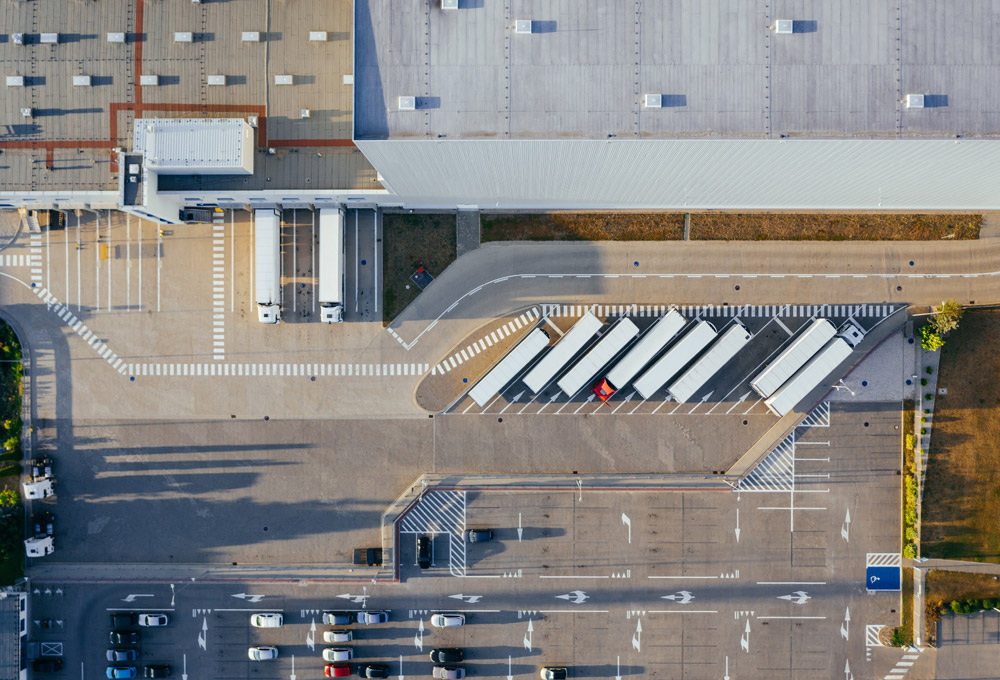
[(598, 357), (331, 265), (808, 377), (676, 358), (649, 345), (267, 251), (564, 350), (509, 366), (725, 347), (795, 356)]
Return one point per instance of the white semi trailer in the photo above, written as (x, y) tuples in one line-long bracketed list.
[(725, 347), (267, 260), (509, 366), (802, 349), (597, 358), (331, 265), (649, 345), (677, 357), (564, 350)]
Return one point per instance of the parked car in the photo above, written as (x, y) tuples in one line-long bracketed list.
[(338, 618), (447, 655), (43, 524), (262, 653), (373, 670), (267, 620), (47, 665), (123, 637), (337, 670), (121, 655), (373, 617), (553, 673), (156, 670), (449, 672), (424, 552), (123, 619), (121, 672), (478, 535), (153, 620), (337, 636), (447, 620), (338, 654)]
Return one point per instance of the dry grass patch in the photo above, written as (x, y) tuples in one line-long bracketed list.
[(809, 227), (962, 488), (410, 241), (945, 587), (584, 227)]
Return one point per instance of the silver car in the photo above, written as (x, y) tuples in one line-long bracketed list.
[(447, 620), (267, 620), (449, 672), (337, 636), (338, 654), (262, 653)]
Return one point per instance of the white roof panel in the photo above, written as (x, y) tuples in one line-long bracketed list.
[(195, 145)]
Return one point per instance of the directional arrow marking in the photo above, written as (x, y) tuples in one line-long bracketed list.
[(845, 531), (726, 676), (737, 525), (418, 639), (798, 597), (133, 596), (520, 531), (527, 637), (471, 599), (184, 673), (311, 635), (845, 631), (203, 635), (745, 639), (618, 674), (637, 638), (249, 598), (356, 599), (682, 597), (576, 597), (847, 671), (627, 521), (510, 674)]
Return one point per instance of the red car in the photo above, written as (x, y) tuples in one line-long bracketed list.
[(604, 390), (338, 670)]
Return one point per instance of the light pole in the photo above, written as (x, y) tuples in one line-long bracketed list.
[(840, 385)]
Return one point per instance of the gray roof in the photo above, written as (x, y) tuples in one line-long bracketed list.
[(797, 174), (723, 71)]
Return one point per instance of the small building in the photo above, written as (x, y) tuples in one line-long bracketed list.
[(195, 146)]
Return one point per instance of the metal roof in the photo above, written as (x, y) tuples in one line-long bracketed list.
[(194, 145)]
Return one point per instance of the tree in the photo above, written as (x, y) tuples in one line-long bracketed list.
[(946, 317), (8, 498), (930, 339)]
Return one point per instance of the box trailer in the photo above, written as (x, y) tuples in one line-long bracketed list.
[(331, 265), (809, 377), (649, 345), (605, 350), (802, 349), (501, 374), (564, 350), (725, 347), (676, 358), (267, 258)]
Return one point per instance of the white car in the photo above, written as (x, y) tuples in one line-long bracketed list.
[(447, 620), (262, 653), (337, 636), (267, 620), (373, 617), (338, 654), (152, 620)]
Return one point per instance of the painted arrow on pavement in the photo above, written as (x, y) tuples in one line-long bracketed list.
[(356, 599), (682, 597), (845, 531), (471, 599), (203, 635), (132, 596), (798, 597), (527, 637), (576, 597), (845, 628), (249, 598), (637, 638)]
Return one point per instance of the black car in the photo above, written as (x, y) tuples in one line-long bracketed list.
[(115, 655), (373, 670), (123, 637), (447, 655), (338, 618), (121, 619), (424, 552), (478, 535), (159, 670), (47, 665)]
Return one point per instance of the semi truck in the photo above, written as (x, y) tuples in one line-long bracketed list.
[(509, 366), (598, 357), (802, 349), (725, 347), (331, 265), (564, 350), (649, 345), (267, 258), (677, 357)]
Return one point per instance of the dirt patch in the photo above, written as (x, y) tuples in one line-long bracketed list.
[(584, 227), (962, 487), (945, 587), (559, 226), (818, 227), (410, 241)]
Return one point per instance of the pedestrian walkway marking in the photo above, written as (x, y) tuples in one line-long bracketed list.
[(883, 560), (218, 287), (818, 417), (270, 370), (440, 512), (463, 355), (904, 665), (62, 311), (774, 473), (35, 261), (871, 635), (16, 260)]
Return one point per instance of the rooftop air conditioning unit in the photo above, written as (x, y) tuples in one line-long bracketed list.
[(81, 81), (18, 38), (914, 101), (251, 36), (216, 80), (252, 121), (654, 101), (15, 81), (284, 80), (407, 103), (27, 112), (449, 4), (784, 26), (146, 81), (49, 38), (116, 37), (317, 36), (305, 113), (522, 26), (183, 36)]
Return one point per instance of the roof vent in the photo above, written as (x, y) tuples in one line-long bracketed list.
[(784, 26), (145, 80), (81, 81), (15, 81), (18, 38), (27, 113), (116, 37), (251, 36), (183, 36), (305, 113), (407, 103), (914, 101), (522, 26), (284, 80), (49, 38), (216, 80), (654, 101), (449, 4), (252, 120), (317, 36)]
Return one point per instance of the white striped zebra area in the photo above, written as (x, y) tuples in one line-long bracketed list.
[(437, 512), (727, 311), (63, 312), (774, 473), (271, 370), (485, 342), (902, 666)]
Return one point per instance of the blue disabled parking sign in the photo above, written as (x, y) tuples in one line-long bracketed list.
[(883, 578)]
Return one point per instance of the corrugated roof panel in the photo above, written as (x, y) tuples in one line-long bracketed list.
[(195, 145)]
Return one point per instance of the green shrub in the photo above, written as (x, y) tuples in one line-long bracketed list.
[(923, 419), (910, 534), (930, 340), (956, 607), (929, 396), (909, 552), (930, 371), (923, 430), (911, 441), (923, 382), (898, 639), (927, 411)]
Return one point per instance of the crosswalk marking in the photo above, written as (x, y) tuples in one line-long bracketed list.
[(218, 286), (776, 472), (74, 324), (248, 370), (487, 340)]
